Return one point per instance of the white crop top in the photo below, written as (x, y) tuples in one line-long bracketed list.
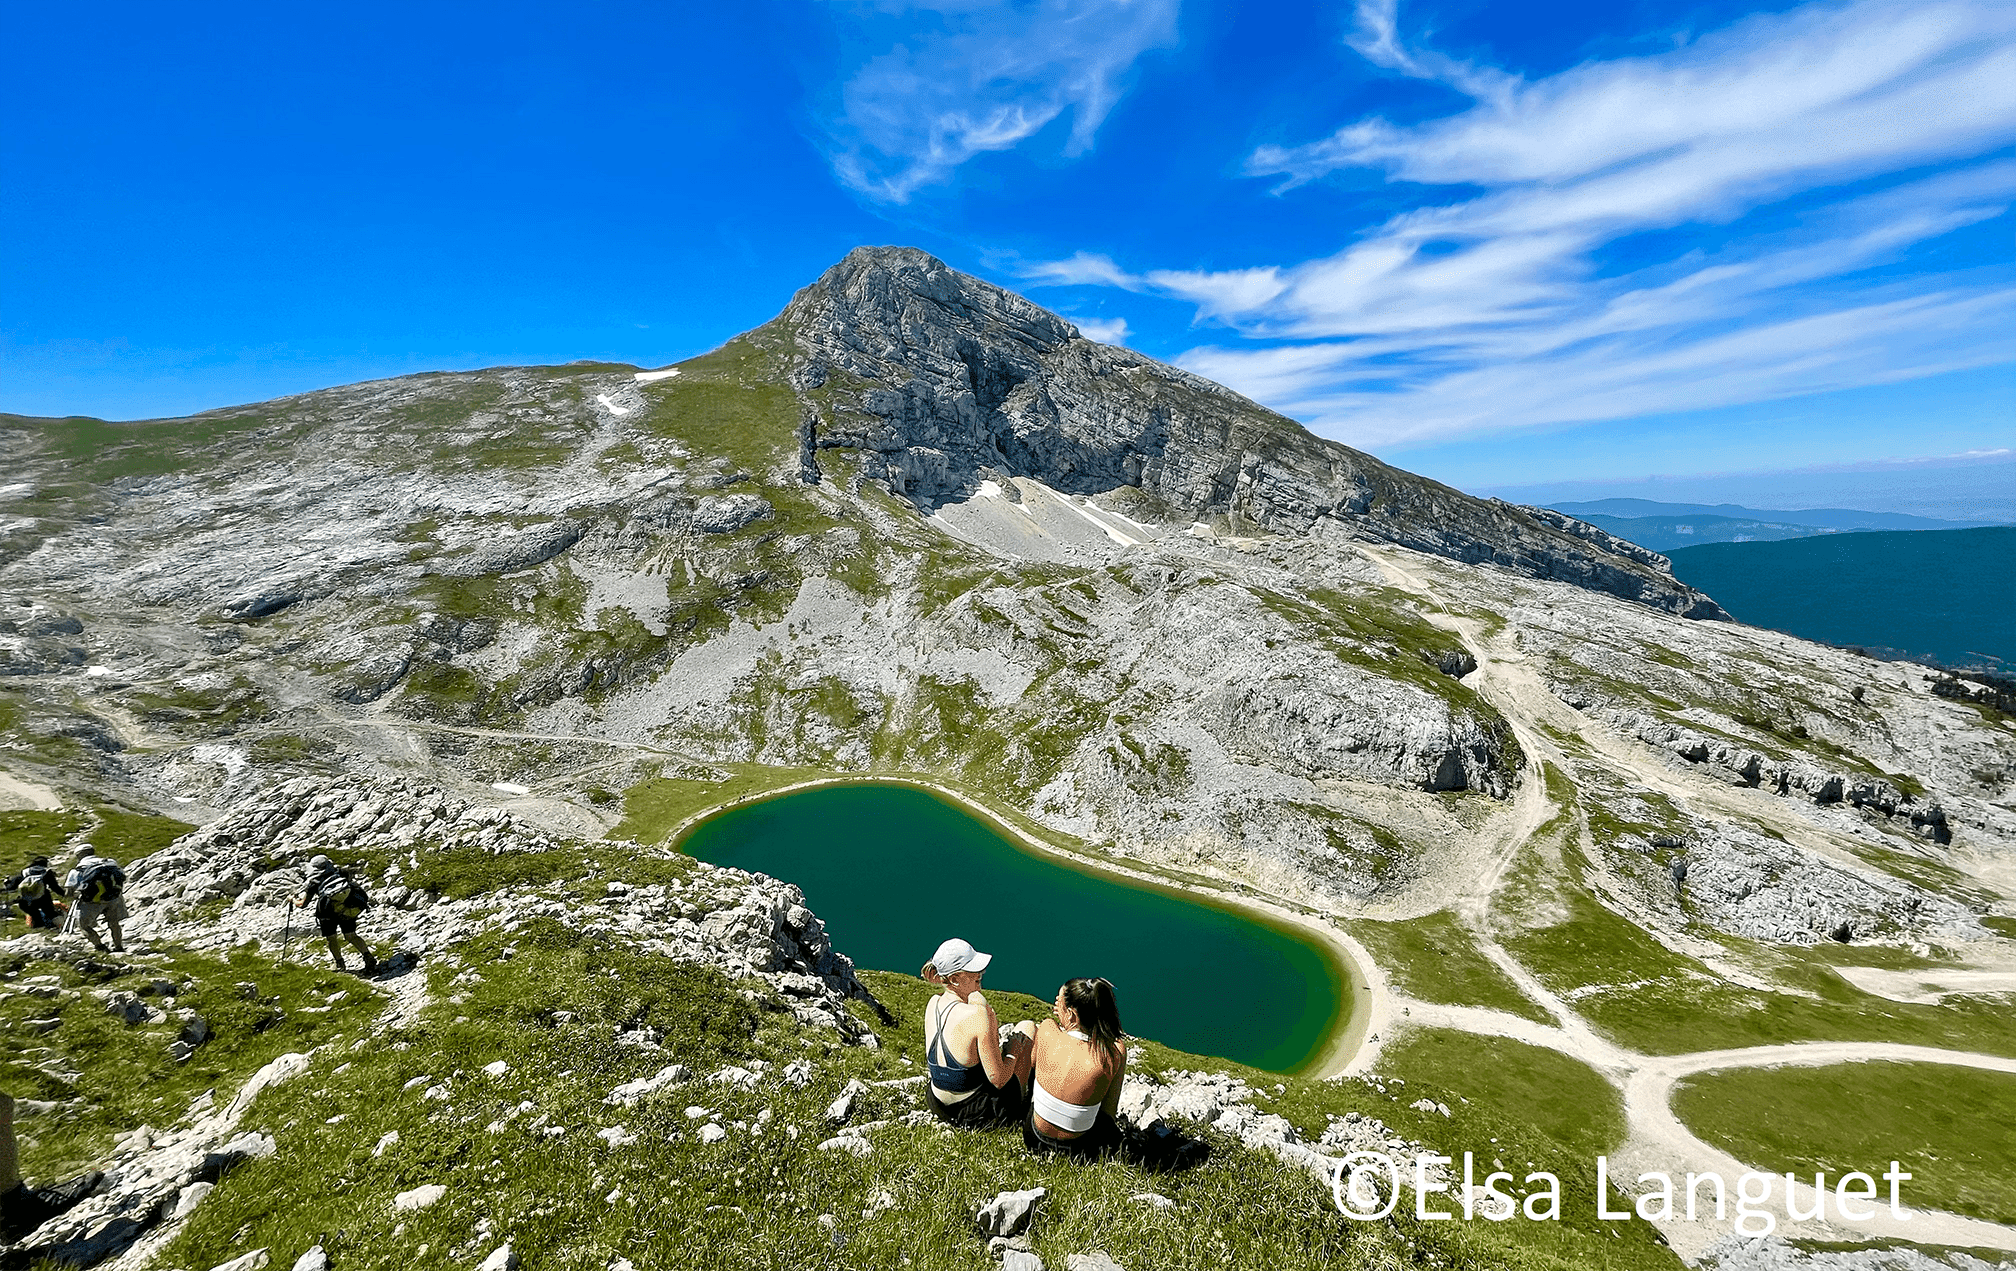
[(1075, 1117)]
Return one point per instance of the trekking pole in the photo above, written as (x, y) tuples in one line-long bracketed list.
[(287, 938)]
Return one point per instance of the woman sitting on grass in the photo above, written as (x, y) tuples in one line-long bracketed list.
[(974, 1080), (1080, 1064)]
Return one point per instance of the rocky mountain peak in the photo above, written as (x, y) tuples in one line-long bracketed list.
[(942, 381), (899, 289)]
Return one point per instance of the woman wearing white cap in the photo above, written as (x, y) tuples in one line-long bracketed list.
[(974, 1080)]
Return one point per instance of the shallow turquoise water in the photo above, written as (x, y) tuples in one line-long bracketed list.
[(894, 870)]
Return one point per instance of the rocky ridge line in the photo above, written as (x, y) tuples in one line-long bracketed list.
[(942, 381)]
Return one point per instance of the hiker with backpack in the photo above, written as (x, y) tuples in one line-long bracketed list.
[(37, 892), (339, 901), (97, 888)]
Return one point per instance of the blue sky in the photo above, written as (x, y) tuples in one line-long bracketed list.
[(1503, 245)]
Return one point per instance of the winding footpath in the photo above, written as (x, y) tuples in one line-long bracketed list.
[(1656, 1140)]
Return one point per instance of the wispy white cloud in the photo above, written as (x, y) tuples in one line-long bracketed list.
[(1078, 270), (970, 76), (1104, 330), (1789, 163), (1377, 39)]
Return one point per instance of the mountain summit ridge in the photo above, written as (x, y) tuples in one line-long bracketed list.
[(942, 380)]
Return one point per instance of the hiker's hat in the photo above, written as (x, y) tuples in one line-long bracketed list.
[(319, 862), (958, 955), (86, 850)]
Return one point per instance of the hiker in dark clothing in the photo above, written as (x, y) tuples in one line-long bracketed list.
[(339, 901), (22, 1209), (38, 893)]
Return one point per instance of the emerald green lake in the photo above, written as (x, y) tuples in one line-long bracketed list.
[(894, 870)]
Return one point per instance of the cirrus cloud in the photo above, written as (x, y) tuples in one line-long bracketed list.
[(963, 77), (1733, 220)]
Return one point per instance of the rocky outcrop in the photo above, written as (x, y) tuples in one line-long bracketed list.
[(512, 551), (256, 853), (1225, 1103), (1745, 883), (1332, 721), (157, 1178), (39, 643), (726, 513), (1743, 766), (942, 381), (1774, 1253)]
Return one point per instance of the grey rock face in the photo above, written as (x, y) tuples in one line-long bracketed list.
[(264, 601), (965, 379), (1744, 883), (52, 624), (1771, 1253), (1740, 765), (726, 513), (504, 553), (38, 656), (1333, 721), (159, 1177)]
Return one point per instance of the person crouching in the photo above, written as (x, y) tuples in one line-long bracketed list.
[(38, 893)]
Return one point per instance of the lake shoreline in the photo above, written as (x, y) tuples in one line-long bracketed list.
[(1344, 1051)]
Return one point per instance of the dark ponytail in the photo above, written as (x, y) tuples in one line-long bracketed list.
[(1098, 1012)]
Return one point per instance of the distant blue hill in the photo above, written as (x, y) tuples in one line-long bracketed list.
[(1665, 533), (1821, 518), (1944, 595)]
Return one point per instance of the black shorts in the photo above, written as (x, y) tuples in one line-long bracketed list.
[(1103, 1139), (987, 1108), (333, 923)]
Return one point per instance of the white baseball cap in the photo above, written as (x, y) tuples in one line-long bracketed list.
[(958, 955)]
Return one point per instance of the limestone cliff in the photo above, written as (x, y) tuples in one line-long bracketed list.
[(945, 381)]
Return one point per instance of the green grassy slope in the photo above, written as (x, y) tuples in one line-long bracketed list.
[(1949, 1126)]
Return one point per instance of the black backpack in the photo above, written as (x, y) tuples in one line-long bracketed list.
[(101, 883), (341, 896)]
